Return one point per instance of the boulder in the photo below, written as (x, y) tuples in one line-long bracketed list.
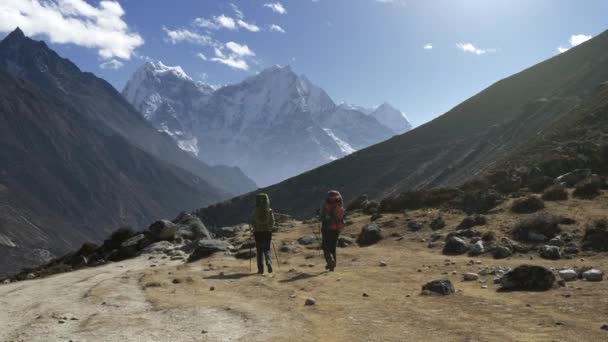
[(370, 234), (442, 287), (190, 227), (455, 246), (568, 275), (205, 248), (437, 223), (537, 228), (571, 248), (593, 275), (477, 248), (556, 241), (307, 240), (470, 276), (157, 247), (162, 230), (501, 252), (528, 278), (227, 232), (345, 241), (550, 252), (472, 221), (414, 226), (596, 236), (289, 249)]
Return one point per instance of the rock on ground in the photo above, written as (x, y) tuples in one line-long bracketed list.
[(528, 278), (593, 275), (568, 275), (442, 287), (455, 246), (370, 234)]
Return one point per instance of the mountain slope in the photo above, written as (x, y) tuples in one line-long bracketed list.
[(63, 181), (272, 125), (100, 102), (455, 147)]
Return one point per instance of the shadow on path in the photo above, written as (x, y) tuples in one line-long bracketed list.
[(301, 276), (230, 276)]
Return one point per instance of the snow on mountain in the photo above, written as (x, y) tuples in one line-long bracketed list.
[(272, 125), (392, 118)]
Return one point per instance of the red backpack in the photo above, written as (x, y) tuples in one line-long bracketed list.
[(333, 211)]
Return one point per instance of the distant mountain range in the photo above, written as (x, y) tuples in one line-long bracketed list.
[(77, 160), (506, 122), (273, 125)]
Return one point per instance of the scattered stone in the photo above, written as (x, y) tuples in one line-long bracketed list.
[(571, 248), (414, 226), (501, 252), (442, 287), (205, 248), (593, 275), (310, 301), (307, 240), (528, 278), (550, 252), (370, 234), (470, 276), (177, 281), (345, 241), (365, 294), (604, 327), (437, 223), (152, 284), (212, 288), (382, 264), (556, 241), (568, 275), (162, 230), (455, 246), (477, 248)]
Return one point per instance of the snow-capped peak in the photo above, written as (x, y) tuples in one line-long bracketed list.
[(392, 118), (158, 68)]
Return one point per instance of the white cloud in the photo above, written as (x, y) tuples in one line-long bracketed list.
[(201, 56), (236, 56), (470, 48), (239, 50), (276, 7), (225, 22), (75, 22), (428, 46), (184, 35), (248, 26), (574, 40), (111, 64), (276, 28), (239, 14), (577, 39)]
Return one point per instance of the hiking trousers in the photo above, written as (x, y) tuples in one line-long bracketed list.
[(262, 247), (330, 242)]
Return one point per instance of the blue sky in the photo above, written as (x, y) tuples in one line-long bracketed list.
[(360, 51)]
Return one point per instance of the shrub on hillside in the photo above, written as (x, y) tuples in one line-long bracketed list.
[(477, 202), (596, 236), (418, 199), (87, 249), (121, 234), (555, 193), (528, 204), (537, 228), (588, 188)]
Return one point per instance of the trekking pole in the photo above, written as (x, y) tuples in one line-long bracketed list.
[(276, 256), (250, 253)]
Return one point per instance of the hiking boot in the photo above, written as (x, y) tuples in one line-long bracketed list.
[(269, 268), (327, 266), (332, 266), (260, 271)]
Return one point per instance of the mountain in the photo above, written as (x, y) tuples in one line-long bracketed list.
[(273, 125), (391, 117), (468, 141), (99, 101), (64, 181)]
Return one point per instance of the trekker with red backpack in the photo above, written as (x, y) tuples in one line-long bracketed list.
[(332, 223)]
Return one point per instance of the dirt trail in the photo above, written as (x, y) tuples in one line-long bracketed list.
[(217, 299)]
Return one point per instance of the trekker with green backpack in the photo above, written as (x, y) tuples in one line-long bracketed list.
[(332, 223), (262, 224)]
